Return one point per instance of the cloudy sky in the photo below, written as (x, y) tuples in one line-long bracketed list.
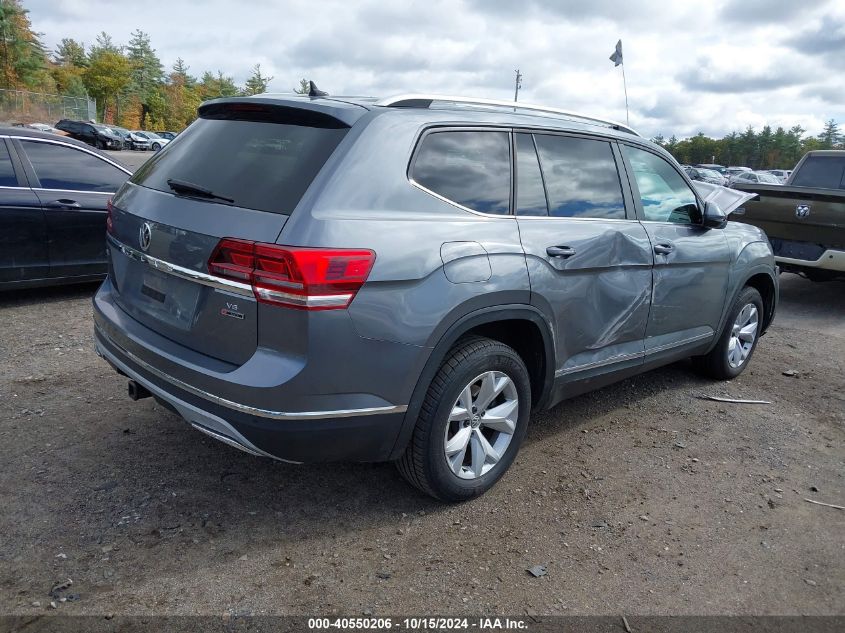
[(712, 66)]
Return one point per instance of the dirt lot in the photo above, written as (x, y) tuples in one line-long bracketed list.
[(131, 159), (640, 498)]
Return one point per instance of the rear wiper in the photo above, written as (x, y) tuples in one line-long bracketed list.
[(189, 188)]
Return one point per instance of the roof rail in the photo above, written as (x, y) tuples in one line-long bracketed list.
[(414, 100)]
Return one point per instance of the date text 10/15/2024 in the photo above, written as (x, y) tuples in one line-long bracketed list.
[(418, 624)]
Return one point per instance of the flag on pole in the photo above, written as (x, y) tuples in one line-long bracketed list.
[(616, 58)]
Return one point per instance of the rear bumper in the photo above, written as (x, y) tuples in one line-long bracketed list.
[(351, 433), (829, 260)]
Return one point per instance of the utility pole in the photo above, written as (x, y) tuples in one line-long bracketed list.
[(518, 85)]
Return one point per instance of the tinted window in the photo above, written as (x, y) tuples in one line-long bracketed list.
[(581, 177), (259, 164), (827, 172), (7, 172), (62, 167), (470, 168), (530, 194), (665, 196)]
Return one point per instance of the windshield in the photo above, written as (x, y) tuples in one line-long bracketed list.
[(768, 178), (709, 173), (150, 134)]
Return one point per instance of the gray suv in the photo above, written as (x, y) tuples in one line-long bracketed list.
[(407, 279)]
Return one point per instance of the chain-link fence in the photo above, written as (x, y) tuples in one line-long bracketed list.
[(31, 107)]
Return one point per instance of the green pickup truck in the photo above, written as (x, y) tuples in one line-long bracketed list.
[(805, 218)]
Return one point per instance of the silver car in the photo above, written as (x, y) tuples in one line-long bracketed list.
[(409, 279)]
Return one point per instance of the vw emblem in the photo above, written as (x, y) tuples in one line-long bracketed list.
[(145, 236), (802, 210)]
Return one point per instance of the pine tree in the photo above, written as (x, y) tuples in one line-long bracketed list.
[(212, 87), (104, 44), (257, 83), (830, 137), (22, 55), (146, 74), (304, 87), (70, 53)]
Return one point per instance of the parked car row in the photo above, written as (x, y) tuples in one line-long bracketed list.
[(730, 174), (704, 175), (762, 177), (103, 136)]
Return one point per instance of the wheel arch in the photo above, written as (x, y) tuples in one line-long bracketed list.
[(521, 326), (762, 278)]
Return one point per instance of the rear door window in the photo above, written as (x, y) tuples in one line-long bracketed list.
[(470, 168), (581, 177), (262, 165), (826, 172), (62, 167), (7, 171)]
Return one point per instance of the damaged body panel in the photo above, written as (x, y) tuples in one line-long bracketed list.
[(426, 267)]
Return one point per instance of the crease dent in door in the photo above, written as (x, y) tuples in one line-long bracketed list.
[(602, 293)]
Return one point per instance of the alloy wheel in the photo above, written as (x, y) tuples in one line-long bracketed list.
[(743, 334), (481, 425)]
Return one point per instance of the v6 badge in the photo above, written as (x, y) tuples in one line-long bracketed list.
[(231, 310)]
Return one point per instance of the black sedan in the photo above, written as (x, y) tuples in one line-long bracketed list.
[(54, 193)]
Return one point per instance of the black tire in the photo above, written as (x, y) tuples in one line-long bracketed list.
[(99, 144), (715, 363), (156, 147), (424, 464)]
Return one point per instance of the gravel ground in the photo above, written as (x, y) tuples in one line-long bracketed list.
[(639, 498), (131, 159)]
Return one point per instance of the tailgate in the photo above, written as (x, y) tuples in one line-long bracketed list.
[(237, 172), (797, 214)]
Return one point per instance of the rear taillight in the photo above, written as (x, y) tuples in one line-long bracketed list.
[(304, 278), (109, 218)]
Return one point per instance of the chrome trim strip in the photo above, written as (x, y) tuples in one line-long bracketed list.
[(205, 279), (692, 339), (102, 193), (225, 439), (510, 216), (398, 100), (505, 216), (224, 432), (624, 357), (243, 408), (316, 301), (71, 145), (599, 363)]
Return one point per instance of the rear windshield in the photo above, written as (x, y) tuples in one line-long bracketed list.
[(258, 165), (826, 172)]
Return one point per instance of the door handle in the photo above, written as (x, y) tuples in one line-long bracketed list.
[(664, 248), (64, 203), (560, 251)]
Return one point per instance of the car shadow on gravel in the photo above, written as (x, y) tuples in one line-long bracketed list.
[(627, 394), (53, 294), (155, 465), (164, 474)]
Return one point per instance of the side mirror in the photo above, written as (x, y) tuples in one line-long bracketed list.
[(714, 217)]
